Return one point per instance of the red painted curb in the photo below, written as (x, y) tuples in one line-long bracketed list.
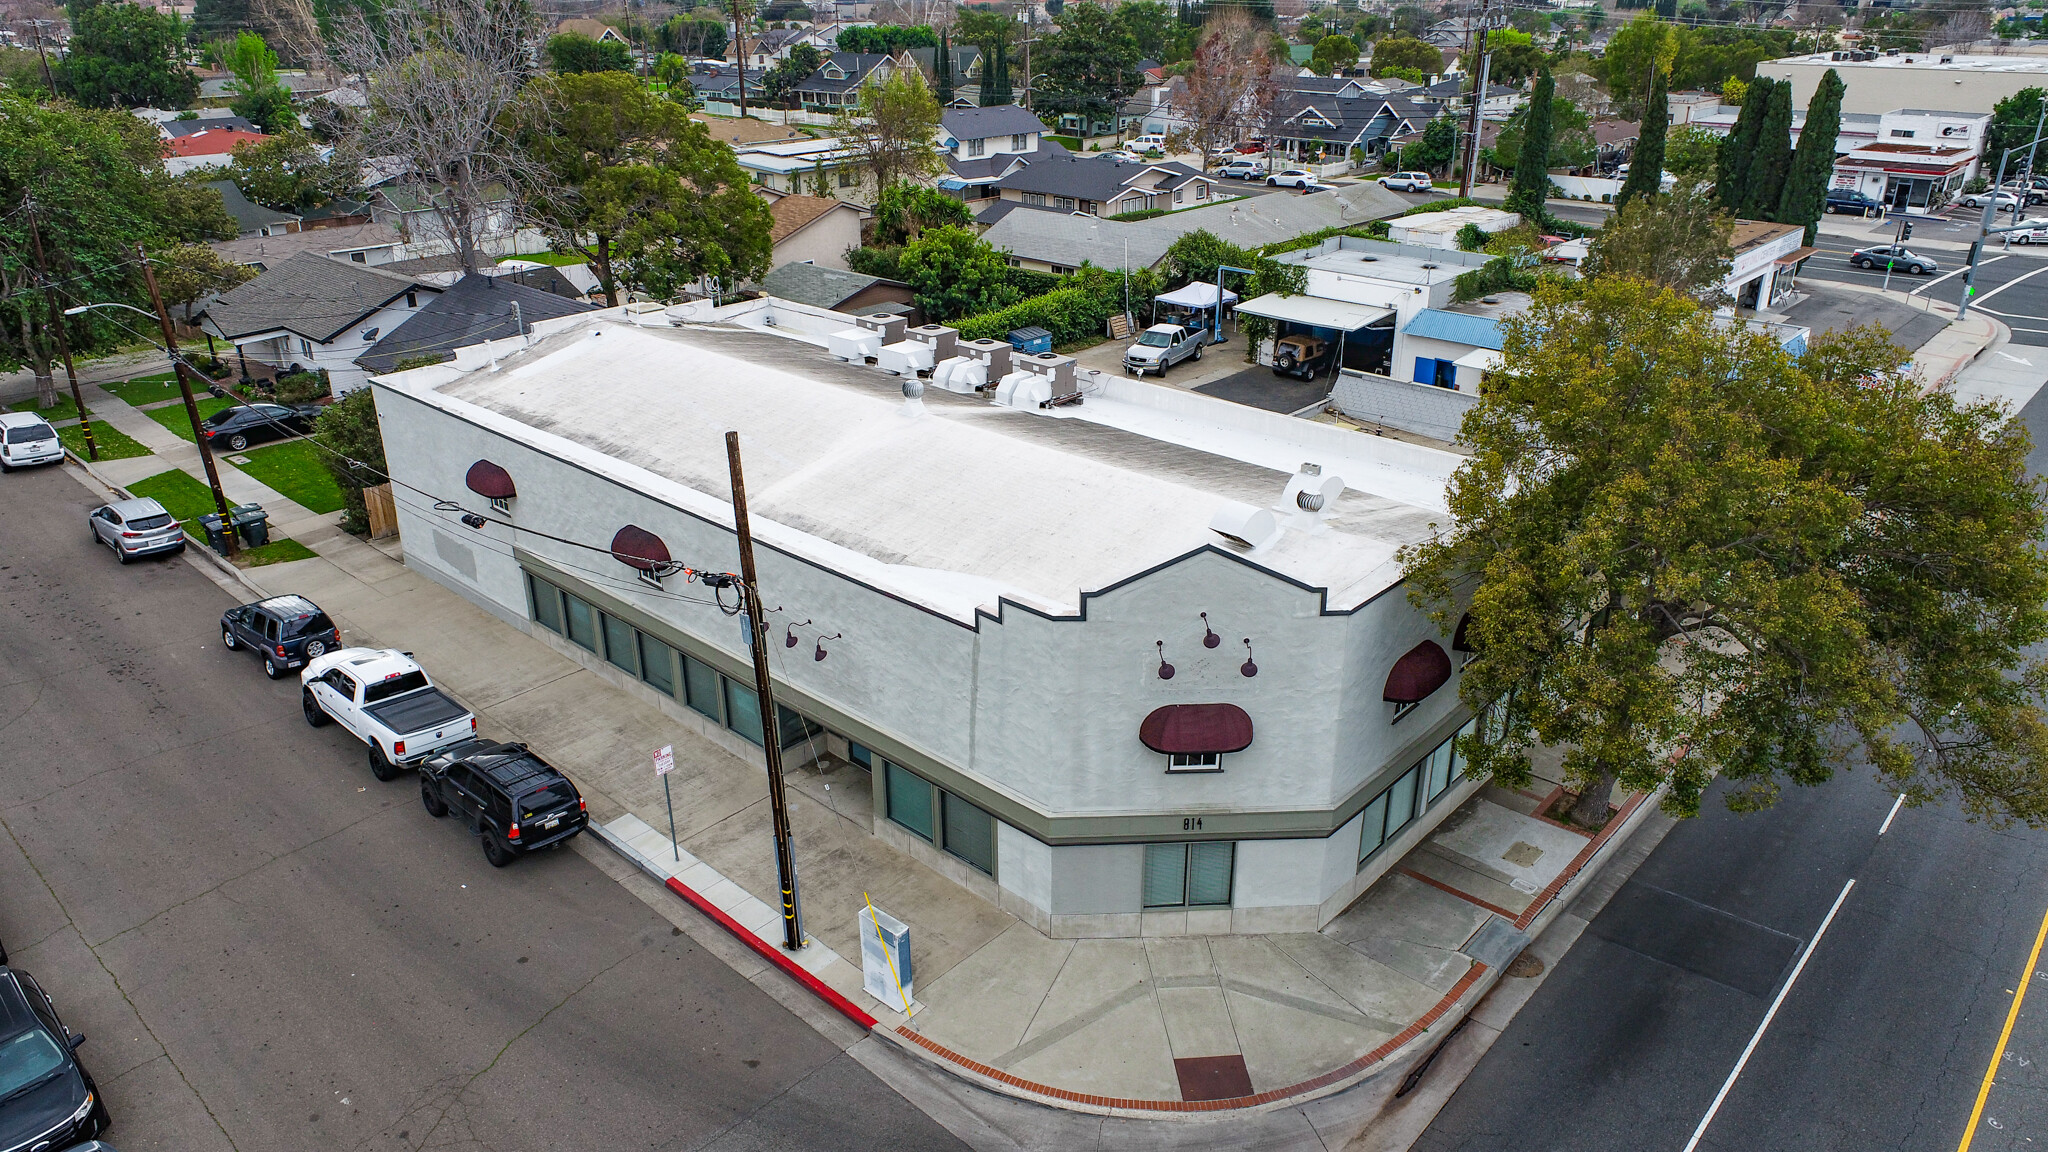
[(774, 955)]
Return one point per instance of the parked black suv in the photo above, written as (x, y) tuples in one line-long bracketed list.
[(47, 1098), (507, 795), (286, 631), (1849, 200)]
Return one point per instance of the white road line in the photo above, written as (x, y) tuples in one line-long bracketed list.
[(1887, 825), (1957, 272), (2010, 283), (1728, 1084)]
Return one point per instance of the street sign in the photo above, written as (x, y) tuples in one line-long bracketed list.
[(665, 760), (665, 763)]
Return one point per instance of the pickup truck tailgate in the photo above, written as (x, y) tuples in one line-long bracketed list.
[(417, 712)]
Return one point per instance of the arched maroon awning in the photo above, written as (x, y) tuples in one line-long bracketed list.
[(639, 548), (1424, 669), (490, 481), (1460, 641), (1195, 728)]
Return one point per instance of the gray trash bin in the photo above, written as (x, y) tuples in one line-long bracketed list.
[(216, 532), (253, 523)]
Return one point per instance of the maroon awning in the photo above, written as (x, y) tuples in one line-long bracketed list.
[(1192, 728), (1460, 642), (1424, 669), (640, 548), (490, 481)]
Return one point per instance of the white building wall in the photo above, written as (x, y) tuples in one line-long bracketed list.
[(1881, 86)]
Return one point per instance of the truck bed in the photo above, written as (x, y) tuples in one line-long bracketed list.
[(415, 711)]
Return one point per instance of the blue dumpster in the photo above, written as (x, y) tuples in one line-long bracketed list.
[(1030, 340)]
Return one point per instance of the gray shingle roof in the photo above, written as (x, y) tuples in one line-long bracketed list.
[(309, 295), (249, 216), (855, 65), (983, 123), (817, 286), (475, 309), (1088, 178), (177, 128), (1062, 238)]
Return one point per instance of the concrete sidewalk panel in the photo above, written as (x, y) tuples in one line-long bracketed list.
[(1096, 972), (1375, 990), (1117, 1048), (1196, 1018), (991, 996), (1412, 928), (1259, 966), (1171, 957)]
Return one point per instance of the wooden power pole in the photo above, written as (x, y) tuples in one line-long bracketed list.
[(220, 499), (771, 741), (35, 231)]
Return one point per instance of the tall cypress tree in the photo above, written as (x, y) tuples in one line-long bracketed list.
[(1813, 162), (1646, 167), (942, 70), (1531, 185), (1739, 148), (987, 96), (1002, 81), (1772, 161)]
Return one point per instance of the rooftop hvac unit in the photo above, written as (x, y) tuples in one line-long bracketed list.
[(938, 337), (993, 354), (856, 345), (1058, 374), (889, 327), (905, 358), (962, 374), (1948, 59)]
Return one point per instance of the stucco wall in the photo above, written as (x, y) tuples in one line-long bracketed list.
[(1421, 408), (823, 241)]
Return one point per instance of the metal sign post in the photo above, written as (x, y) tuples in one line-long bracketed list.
[(665, 763)]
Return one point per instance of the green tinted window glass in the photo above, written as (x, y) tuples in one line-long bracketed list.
[(620, 646), (970, 833), (657, 664), (1166, 875), (547, 603), (743, 711), (582, 621), (910, 800), (701, 685), (1209, 865)]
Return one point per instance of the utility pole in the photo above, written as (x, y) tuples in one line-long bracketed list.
[(739, 44), (1478, 103), (38, 26), (220, 499), (771, 742), (35, 231)]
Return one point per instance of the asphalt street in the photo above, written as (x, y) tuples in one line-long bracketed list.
[(268, 949), (2011, 284), (1884, 1040)]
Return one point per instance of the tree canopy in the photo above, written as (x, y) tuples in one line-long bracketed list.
[(2012, 126), (888, 38), (1681, 240), (126, 56), (1401, 52), (288, 172), (892, 128), (1333, 54), (953, 272), (906, 208), (1091, 65), (572, 52), (1687, 552)]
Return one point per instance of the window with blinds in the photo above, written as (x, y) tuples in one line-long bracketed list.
[(1411, 794), (1194, 875), (910, 800)]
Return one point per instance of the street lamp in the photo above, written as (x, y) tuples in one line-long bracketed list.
[(220, 499)]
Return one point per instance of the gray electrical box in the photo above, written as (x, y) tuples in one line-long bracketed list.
[(885, 958)]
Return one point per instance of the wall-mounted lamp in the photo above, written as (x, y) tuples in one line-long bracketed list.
[(819, 653), (1165, 669), (473, 520), (1248, 668), (1209, 637), (789, 637)]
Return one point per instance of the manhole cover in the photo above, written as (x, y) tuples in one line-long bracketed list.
[(1522, 854), (238, 459)]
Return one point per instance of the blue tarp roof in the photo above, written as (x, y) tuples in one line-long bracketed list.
[(1456, 327)]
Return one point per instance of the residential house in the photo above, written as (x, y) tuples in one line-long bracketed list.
[(838, 290), (1099, 186), (174, 129), (475, 309), (1455, 34), (838, 81), (719, 85), (315, 312), (207, 148), (295, 81), (369, 244), (966, 66), (413, 210), (767, 49), (251, 218), (803, 165), (983, 145), (1339, 124), (813, 230), (597, 30), (339, 212)]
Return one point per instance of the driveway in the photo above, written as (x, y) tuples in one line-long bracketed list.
[(1262, 388)]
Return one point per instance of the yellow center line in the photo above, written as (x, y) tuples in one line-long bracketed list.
[(1998, 1054)]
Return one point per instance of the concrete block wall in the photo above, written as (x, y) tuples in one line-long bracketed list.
[(1420, 408)]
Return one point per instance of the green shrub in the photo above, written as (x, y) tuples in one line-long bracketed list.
[(1471, 238), (349, 428), (1030, 283), (885, 262), (1076, 311), (301, 387)]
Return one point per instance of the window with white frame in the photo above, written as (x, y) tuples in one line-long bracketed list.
[(1194, 762), (977, 148)]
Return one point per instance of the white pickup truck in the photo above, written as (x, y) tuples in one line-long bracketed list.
[(385, 700)]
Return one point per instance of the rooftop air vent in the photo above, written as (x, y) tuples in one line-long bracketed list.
[(1369, 258), (1429, 266), (1489, 299)]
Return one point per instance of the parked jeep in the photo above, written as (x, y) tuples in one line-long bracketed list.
[(1301, 355)]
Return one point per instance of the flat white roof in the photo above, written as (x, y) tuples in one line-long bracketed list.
[(1932, 60), (1313, 310), (961, 503)]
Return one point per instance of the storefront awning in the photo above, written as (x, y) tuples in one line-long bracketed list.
[(490, 481), (1795, 256), (1313, 311), (1424, 669), (637, 547), (1188, 729)]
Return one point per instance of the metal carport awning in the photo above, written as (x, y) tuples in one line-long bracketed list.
[(1314, 311)]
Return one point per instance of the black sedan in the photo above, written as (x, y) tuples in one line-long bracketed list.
[(244, 424), (47, 1099)]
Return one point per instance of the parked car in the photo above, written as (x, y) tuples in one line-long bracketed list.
[(1242, 168), (245, 424), (2025, 192), (134, 528), (25, 439), (1149, 142), (47, 1098), (1250, 147), (1162, 346), (2004, 200), (1292, 178), (2036, 232), (510, 798), (1849, 201), (1899, 257), (1123, 156), (1408, 182), (286, 631), (385, 700), (1301, 355)]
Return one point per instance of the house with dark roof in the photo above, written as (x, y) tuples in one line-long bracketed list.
[(839, 290), (813, 229), (719, 84), (475, 309), (1100, 186), (838, 81), (983, 145), (1338, 123), (313, 312), (770, 48), (251, 218), (357, 243), (175, 129)]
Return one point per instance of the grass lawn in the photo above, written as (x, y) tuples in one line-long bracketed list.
[(558, 259), (63, 409), (296, 468), (113, 443), (145, 389), (181, 495), (179, 423), (278, 551)]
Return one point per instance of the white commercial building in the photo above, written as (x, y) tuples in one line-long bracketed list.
[(1902, 79), (1141, 663)]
